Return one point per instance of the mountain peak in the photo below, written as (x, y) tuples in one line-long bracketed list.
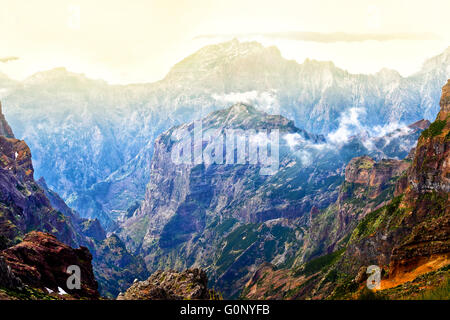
[(241, 108), (60, 75), (389, 74), (241, 115), (436, 61), (215, 56)]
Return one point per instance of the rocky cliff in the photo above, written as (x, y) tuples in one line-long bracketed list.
[(414, 230)]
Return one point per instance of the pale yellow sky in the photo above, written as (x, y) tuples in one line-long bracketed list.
[(138, 41)]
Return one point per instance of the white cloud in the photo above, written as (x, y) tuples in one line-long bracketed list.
[(349, 124), (293, 139)]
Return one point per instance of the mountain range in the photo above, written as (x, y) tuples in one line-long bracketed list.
[(278, 180), (93, 142)]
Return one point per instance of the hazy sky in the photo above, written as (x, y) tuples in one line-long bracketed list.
[(126, 41)]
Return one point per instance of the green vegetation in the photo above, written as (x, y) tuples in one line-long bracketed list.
[(295, 291), (390, 216), (282, 234), (440, 293), (332, 276), (225, 226), (367, 294), (269, 249), (434, 129), (320, 263), (27, 293), (436, 202), (344, 289), (364, 163), (236, 242)]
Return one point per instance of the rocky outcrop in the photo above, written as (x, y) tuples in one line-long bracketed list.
[(366, 171), (368, 186), (191, 284), (87, 231), (41, 261)]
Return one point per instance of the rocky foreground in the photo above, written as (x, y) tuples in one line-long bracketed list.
[(37, 268), (191, 284)]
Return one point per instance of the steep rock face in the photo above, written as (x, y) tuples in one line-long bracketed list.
[(427, 195), (191, 284), (88, 231), (41, 261), (190, 205), (368, 186), (372, 175), (358, 170), (431, 169)]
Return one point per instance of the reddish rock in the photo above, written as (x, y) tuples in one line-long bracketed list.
[(358, 170), (364, 170), (41, 261)]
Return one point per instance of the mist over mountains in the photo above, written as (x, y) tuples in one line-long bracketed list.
[(94, 142)]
